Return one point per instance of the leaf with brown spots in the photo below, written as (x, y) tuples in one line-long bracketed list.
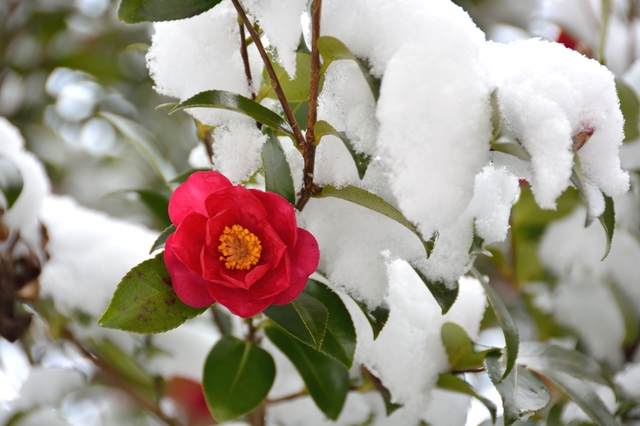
[(145, 302)]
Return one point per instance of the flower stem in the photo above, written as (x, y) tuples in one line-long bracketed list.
[(272, 74), (308, 149)]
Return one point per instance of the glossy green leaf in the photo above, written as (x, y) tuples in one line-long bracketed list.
[(373, 202), (454, 383), (340, 338), (11, 182), (155, 202), (134, 11), (182, 177), (145, 302), (238, 103), (608, 221), (444, 294), (582, 394), (322, 128), (509, 328), (540, 356), (522, 391), (305, 318), (377, 318), (237, 377), (141, 139), (295, 90), (460, 348), (300, 112), (277, 173), (331, 49), (326, 379), (630, 107), (162, 238)]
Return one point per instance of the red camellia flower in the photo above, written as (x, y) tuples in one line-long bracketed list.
[(239, 247)]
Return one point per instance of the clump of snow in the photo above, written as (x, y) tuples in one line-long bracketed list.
[(435, 118), (237, 149), (280, 20), (547, 94), (354, 244), (408, 354), (89, 254), (23, 215), (58, 383), (488, 214), (202, 53), (629, 380)]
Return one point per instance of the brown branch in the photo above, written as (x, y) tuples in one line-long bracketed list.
[(112, 376), (286, 398), (272, 74), (469, 370), (309, 147), (245, 58)]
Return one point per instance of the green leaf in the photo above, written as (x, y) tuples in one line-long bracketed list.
[(145, 302), (182, 177), (155, 202), (373, 202), (377, 318), (277, 173), (238, 103), (295, 90), (460, 348), (511, 148), (454, 383), (579, 181), (300, 112), (331, 49), (608, 221), (582, 394), (326, 379), (141, 139), (237, 378), (554, 418), (340, 338), (11, 182), (444, 295), (322, 128), (630, 107), (543, 356), (509, 328), (134, 11), (522, 392), (124, 364), (305, 318), (162, 238)]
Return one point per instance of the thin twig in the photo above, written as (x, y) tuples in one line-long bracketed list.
[(245, 58), (286, 398), (470, 370), (114, 377), (272, 74), (309, 147)]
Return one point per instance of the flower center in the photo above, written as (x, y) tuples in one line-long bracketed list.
[(240, 248)]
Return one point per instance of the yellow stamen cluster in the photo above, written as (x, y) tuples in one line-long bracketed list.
[(240, 248)]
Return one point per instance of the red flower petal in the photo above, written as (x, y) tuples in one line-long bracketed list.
[(238, 301), (239, 199), (189, 287), (304, 261), (189, 197), (189, 240), (273, 282), (281, 215)]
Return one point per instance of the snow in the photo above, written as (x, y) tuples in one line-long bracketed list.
[(237, 149), (280, 20), (547, 94), (89, 254), (202, 53), (408, 354)]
